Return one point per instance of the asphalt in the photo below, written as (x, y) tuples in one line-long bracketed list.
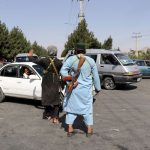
[(121, 122)]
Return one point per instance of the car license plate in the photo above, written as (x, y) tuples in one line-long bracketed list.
[(138, 79)]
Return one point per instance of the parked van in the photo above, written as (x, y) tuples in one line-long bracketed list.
[(23, 57), (114, 67)]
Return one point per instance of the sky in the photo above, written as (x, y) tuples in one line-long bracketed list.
[(49, 22)]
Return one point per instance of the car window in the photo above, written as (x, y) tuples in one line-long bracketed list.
[(39, 69), (24, 58), (140, 63), (109, 59), (21, 59), (25, 71), (10, 71), (147, 63), (93, 56), (124, 59)]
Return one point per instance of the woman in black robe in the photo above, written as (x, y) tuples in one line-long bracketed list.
[(50, 85)]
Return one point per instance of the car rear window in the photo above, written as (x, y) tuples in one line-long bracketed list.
[(24, 58)]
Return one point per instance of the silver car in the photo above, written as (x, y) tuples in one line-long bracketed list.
[(114, 67)]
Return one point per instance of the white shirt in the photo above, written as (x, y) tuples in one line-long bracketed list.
[(25, 76)]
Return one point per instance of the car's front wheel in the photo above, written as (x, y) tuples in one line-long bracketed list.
[(2, 96), (109, 83)]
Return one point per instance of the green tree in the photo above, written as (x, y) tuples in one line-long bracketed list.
[(81, 35), (18, 42), (132, 54), (107, 43), (39, 50), (4, 40), (147, 54)]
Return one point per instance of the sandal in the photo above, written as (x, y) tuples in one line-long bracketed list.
[(89, 133), (70, 134)]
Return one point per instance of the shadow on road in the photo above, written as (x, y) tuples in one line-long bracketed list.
[(78, 124), (35, 103), (126, 87)]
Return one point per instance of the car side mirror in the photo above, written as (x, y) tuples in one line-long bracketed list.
[(33, 77)]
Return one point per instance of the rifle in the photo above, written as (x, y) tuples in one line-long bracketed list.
[(73, 79)]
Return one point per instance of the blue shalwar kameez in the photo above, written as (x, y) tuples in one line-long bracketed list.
[(80, 101)]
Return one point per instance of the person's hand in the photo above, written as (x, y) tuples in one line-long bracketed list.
[(30, 53)]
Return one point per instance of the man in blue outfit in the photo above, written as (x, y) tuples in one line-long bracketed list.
[(80, 100)]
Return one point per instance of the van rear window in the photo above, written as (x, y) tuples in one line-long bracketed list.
[(93, 56)]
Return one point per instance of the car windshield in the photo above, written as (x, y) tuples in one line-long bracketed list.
[(124, 59), (39, 69)]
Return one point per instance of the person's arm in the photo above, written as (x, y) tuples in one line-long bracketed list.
[(36, 61), (65, 68), (96, 79)]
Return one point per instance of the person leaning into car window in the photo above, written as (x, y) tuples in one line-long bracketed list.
[(26, 73), (50, 84)]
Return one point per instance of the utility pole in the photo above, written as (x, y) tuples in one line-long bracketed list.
[(81, 13), (137, 36)]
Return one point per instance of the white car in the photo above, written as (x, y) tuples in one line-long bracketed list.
[(13, 84)]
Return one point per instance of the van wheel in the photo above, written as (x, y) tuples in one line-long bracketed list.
[(2, 96), (109, 83)]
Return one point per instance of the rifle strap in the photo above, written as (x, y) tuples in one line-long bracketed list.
[(81, 62), (52, 62)]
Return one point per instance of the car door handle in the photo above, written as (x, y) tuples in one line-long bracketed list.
[(102, 66)]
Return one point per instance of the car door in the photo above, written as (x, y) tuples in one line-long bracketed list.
[(30, 87), (9, 80), (109, 65), (142, 67), (147, 67)]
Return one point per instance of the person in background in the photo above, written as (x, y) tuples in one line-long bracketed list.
[(80, 100), (50, 84)]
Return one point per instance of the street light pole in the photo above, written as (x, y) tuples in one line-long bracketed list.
[(137, 36), (81, 13)]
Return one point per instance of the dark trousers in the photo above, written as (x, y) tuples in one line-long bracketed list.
[(51, 111)]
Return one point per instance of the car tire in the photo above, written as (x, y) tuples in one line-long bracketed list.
[(109, 83), (2, 96)]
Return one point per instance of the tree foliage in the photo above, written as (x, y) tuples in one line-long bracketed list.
[(18, 43), (145, 55), (107, 44), (81, 35), (4, 40), (39, 50), (14, 42)]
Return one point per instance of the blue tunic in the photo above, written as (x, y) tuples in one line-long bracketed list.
[(80, 101)]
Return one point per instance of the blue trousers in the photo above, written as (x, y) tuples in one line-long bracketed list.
[(88, 118)]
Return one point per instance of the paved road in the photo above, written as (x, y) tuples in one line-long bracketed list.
[(122, 122)]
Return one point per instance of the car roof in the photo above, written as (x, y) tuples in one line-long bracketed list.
[(24, 54), (102, 51), (21, 63)]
